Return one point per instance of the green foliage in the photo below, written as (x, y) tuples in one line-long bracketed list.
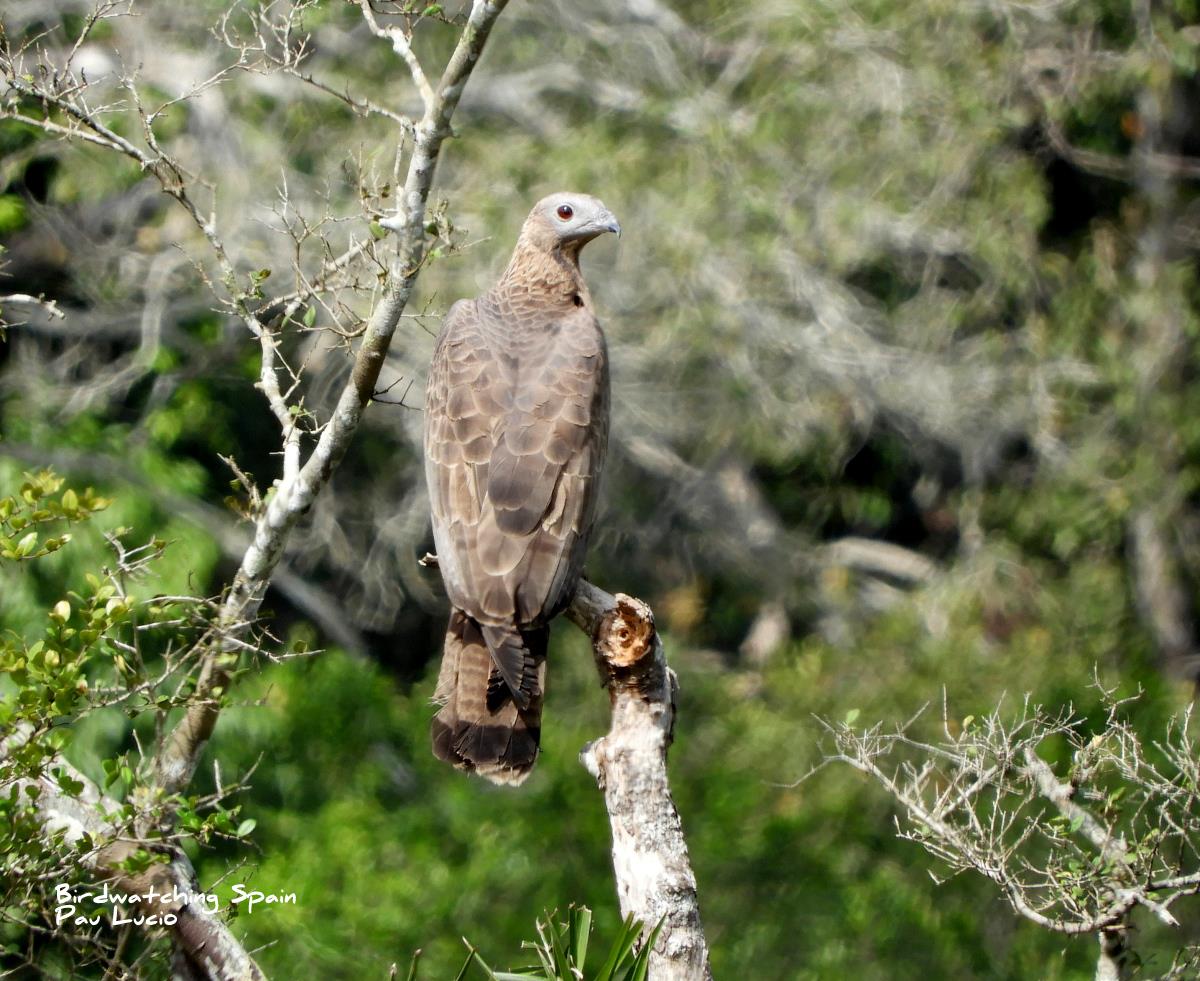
[(35, 504), (562, 952), (12, 214), (50, 674), (110, 655)]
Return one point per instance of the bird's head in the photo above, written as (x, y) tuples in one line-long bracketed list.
[(568, 219)]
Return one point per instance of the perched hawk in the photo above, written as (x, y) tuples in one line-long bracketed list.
[(516, 425)]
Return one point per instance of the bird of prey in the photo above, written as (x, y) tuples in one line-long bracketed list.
[(516, 427)]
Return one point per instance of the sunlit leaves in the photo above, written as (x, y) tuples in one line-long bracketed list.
[(24, 515), (112, 642)]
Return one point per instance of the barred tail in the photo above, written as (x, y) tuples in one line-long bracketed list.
[(481, 726)]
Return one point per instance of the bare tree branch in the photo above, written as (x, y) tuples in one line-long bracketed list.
[(402, 44), (655, 881), (49, 306), (1122, 832)]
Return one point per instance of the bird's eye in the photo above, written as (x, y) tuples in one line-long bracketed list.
[(565, 212)]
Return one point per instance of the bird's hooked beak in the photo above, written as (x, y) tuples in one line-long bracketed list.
[(607, 222)]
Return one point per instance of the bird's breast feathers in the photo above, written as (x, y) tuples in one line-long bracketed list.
[(514, 435)]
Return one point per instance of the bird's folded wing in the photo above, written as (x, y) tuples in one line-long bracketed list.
[(514, 444)]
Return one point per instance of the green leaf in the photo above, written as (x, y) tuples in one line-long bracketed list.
[(561, 964), (68, 784), (471, 958), (621, 949), (641, 965), (852, 716), (246, 827), (579, 923)]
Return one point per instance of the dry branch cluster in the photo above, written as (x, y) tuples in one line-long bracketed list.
[(1077, 845)]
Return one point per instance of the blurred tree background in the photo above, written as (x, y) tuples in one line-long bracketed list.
[(904, 326)]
